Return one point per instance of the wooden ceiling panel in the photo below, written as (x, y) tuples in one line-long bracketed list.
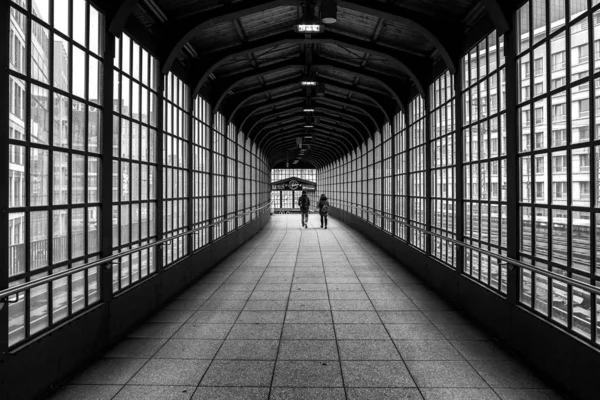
[(354, 23), (182, 8), (280, 19), (448, 10), (278, 53), (348, 56), (219, 37)]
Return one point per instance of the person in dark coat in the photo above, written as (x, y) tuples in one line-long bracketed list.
[(323, 209), (304, 203)]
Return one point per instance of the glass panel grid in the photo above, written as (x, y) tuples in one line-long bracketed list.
[(176, 139), (201, 169), (484, 161), (54, 137), (134, 162), (443, 167), (559, 162), (417, 144)]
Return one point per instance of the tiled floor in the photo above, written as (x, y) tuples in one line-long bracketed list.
[(307, 314)]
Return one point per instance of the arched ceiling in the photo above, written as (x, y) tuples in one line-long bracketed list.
[(244, 57)]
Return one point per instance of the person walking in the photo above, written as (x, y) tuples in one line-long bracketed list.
[(304, 203), (323, 209)]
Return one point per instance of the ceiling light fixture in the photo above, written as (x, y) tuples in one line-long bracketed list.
[(308, 24), (329, 11), (309, 110), (308, 82), (309, 126)]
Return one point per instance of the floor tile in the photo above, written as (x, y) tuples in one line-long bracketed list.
[(214, 317), (427, 350), (414, 331), (361, 331), (355, 317), (172, 316), (136, 348), (445, 374), (381, 374), (171, 372), (308, 331), (527, 394), (135, 392), (203, 331), (155, 330), (308, 394), (266, 305), (507, 374), (248, 350), (255, 331), (368, 350), (88, 392), (383, 394), (308, 374), (308, 350), (308, 317), (351, 305), (238, 373), (481, 350), (110, 371), (200, 349), (261, 317), (458, 394), (231, 393), (314, 295)]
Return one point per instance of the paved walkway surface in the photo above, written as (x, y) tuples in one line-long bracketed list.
[(307, 314)]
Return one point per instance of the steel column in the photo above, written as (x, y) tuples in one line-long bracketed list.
[(512, 168), (459, 222), (107, 168), (4, 168)]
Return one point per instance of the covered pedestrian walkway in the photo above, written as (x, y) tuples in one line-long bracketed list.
[(307, 314), (147, 144)]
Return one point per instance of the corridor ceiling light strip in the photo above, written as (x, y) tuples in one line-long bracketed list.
[(308, 28), (309, 83)]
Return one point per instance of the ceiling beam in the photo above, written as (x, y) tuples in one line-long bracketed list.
[(382, 104), (220, 89), (119, 19), (326, 139), (268, 107), (350, 119), (416, 68), (184, 29), (438, 33), (267, 135), (497, 15), (317, 146), (344, 106)]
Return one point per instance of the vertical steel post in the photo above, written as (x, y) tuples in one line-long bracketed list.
[(106, 272), (512, 169), (160, 131), (459, 222), (190, 171), (211, 158), (427, 148), (4, 168)]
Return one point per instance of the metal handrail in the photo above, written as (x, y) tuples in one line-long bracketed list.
[(508, 260), (108, 260)]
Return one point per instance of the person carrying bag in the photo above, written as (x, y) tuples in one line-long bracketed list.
[(323, 209)]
